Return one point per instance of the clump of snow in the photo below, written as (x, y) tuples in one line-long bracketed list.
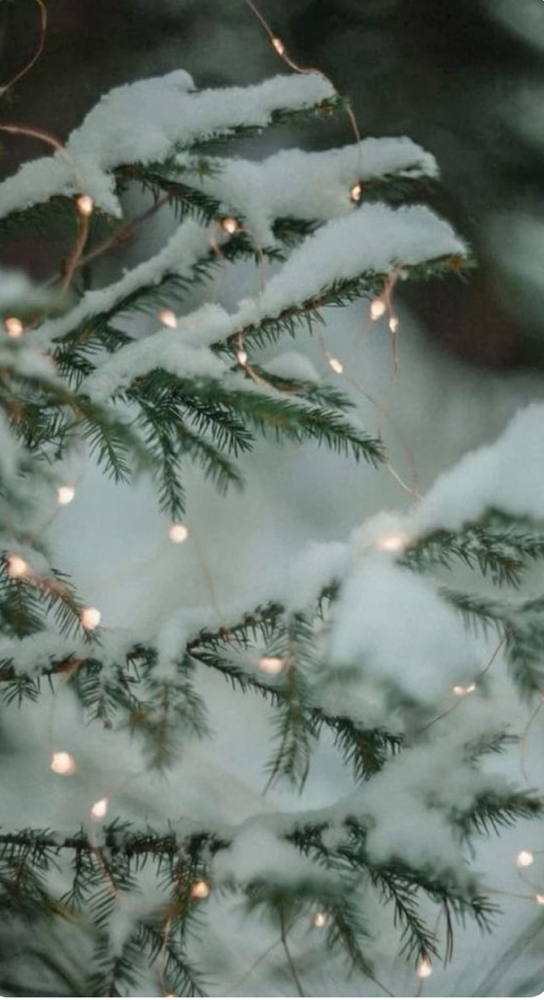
[(292, 365), (143, 122), (375, 239), (297, 184), (257, 852), (392, 624), (508, 475)]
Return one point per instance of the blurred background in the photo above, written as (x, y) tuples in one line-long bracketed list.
[(465, 79)]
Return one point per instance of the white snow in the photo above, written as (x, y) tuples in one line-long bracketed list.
[(144, 122), (508, 475)]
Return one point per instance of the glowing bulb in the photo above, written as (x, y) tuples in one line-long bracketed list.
[(540, 898), (242, 356), (356, 193), (17, 567), (100, 808), (395, 541), (230, 225), (336, 365), (393, 324), (378, 309), (13, 326), (90, 618), (62, 762), (460, 690), (424, 968), (271, 664), (525, 859), (200, 889), (278, 45), (65, 495), (320, 919), (178, 533), (168, 318), (85, 205)]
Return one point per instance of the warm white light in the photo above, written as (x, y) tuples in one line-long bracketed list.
[(525, 859), (230, 225), (100, 808), (17, 567), (424, 968), (200, 889), (460, 690), (378, 309), (356, 193), (394, 541), (13, 326), (320, 919), (393, 324), (178, 533), (242, 356), (278, 45), (271, 664), (540, 898), (62, 762), (336, 365), (90, 618), (85, 205), (65, 495), (168, 318)]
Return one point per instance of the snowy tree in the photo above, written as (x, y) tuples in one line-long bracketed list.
[(379, 650)]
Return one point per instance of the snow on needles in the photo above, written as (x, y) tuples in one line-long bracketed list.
[(508, 475), (144, 122)]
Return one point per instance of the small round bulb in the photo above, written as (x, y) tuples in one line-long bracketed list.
[(394, 541), (100, 808), (65, 495), (168, 318), (356, 193), (393, 324), (278, 45), (525, 859), (320, 919), (90, 618), (13, 326), (178, 533), (271, 664), (336, 365), (230, 225), (62, 763), (378, 309), (540, 898), (200, 889), (85, 205), (242, 356), (17, 567), (424, 968)]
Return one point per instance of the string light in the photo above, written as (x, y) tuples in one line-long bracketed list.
[(460, 690), (539, 898), (90, 618), (242, 356), (395, 541), (17, 567), (178, 533), (525, 859), (378, 308), (13, 326), (278, 45), (100, 808), (271, 664), (393, 324), (85, 205), (65, 495), (200, 889), (336, 365), (356, 193), (62, 763), (230, 225), (168, 318), (320, 919), (424, 968)]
